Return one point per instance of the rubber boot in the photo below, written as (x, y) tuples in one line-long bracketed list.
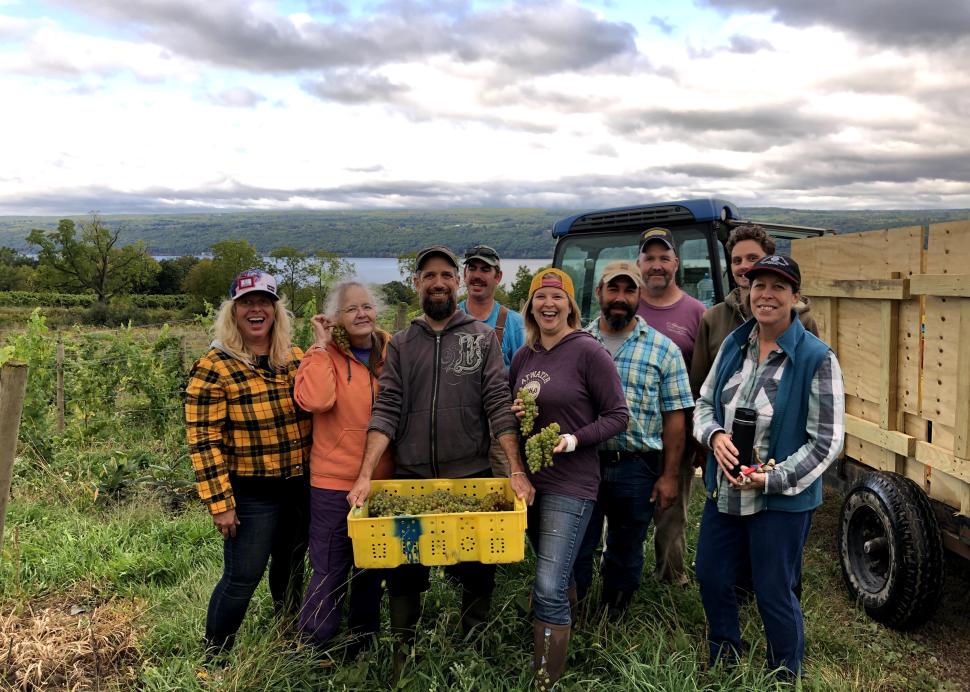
[(616, 603), (404, 613), (551, 642), (474, 612)]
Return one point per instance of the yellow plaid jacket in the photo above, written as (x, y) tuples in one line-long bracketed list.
[(244, 421)]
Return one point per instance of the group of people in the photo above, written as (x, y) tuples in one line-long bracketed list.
[(282, 442)]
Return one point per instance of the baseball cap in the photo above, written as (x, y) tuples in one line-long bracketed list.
[(552, 278), (486, 254), (622, 268), (662, 234), (252, 280), (432, 250), (783, 266)]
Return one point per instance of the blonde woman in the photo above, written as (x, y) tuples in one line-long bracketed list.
[(249, 444)]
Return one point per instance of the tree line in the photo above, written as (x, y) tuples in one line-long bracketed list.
[(88, 259)]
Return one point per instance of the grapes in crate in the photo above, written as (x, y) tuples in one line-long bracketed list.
[(385, 504)]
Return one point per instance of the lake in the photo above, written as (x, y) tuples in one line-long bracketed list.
[(380, 270)]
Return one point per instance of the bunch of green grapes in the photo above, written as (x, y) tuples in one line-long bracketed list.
[(385, 504), (531, 410), (341, 338), (538, 448)]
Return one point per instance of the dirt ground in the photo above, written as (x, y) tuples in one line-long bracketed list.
[(947, 634)]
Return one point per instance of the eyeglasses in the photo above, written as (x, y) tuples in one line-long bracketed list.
[(353, 309)]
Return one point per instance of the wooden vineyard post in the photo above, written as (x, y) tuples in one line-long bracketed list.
[(182, 353), (60, 386), (13, 387)]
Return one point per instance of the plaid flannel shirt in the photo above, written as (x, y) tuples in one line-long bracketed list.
[(655, 381), (244, 421), (755, 385)]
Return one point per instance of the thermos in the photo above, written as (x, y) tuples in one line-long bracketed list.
[(742, 436)]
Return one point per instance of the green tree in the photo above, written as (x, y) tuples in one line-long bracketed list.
[(293, 270), (407, 264), (16, 270), (331, 269), (396, 292), (519, 292), (173, 272), (209, 279), (91, 262)]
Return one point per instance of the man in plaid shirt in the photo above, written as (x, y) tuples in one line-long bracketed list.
[(640, 467)]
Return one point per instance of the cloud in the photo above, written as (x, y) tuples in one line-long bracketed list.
[(662, 24), (747, 44), (897, 22), (236, 97), (542, 37), (354, 87)]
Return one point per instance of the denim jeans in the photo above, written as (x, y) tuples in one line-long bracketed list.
[(557, 524), (624, 499), (771, 542), (272, 529), (332, 559)]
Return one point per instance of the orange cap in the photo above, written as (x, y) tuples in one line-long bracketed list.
[(552, 278)]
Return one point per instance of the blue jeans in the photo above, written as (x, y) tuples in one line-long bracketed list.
[(556, 527), (624, 499), (273, 524), (332, 559), (772, 543)]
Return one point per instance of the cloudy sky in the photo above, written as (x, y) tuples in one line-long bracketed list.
[(180, 105)]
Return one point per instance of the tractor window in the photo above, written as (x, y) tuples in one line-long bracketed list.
[(583, 256)]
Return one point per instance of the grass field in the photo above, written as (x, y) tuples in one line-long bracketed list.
[(115, 598)]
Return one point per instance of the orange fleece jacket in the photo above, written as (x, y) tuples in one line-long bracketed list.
[(339, 391)]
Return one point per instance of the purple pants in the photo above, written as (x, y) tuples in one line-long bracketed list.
[(332, 559)]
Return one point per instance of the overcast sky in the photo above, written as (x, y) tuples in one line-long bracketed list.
[(179, 105)]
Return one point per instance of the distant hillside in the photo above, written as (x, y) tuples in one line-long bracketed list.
[(513, 232)]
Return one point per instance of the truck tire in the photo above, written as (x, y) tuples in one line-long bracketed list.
[(891, 550)]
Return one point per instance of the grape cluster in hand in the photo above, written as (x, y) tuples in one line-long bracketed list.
[(341, 338), (538, 448), (531, 409), (385, 504)]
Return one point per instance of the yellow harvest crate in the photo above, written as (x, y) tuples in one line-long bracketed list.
[(439, 539)]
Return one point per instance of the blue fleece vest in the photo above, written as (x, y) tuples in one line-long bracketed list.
[(787, 433)]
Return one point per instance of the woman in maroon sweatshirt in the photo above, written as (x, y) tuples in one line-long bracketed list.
[(577, 386)]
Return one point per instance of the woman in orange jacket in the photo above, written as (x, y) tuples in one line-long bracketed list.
[(337, 383)]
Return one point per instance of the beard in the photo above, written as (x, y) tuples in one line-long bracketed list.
[(618, 321), (438, 310)]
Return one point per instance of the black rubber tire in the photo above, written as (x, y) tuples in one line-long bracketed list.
[(891, 550)]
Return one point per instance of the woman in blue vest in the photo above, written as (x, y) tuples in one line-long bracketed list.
[(790, 383)]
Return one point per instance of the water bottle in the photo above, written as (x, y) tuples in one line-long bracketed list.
[(742, 436), (705, 290)]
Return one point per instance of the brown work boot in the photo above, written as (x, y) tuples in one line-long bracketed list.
[(549, 655)]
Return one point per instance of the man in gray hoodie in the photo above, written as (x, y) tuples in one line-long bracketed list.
[(443, 386)]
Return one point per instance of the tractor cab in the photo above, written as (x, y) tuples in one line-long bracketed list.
[(587, 242)]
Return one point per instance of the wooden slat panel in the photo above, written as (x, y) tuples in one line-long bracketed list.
[(897, 442), (870, 255), (917, 427), (909, 357), (878, 289), (889, 417), (940, 356), (948, 248), (943, 459), (961, 416), (938, 484), (826, 314), (955, 285), (860, 408), (860, 345)]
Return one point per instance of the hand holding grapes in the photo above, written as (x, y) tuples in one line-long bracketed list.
[(322, 330)]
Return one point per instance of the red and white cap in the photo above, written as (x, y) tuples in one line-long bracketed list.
[(253, 280)]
